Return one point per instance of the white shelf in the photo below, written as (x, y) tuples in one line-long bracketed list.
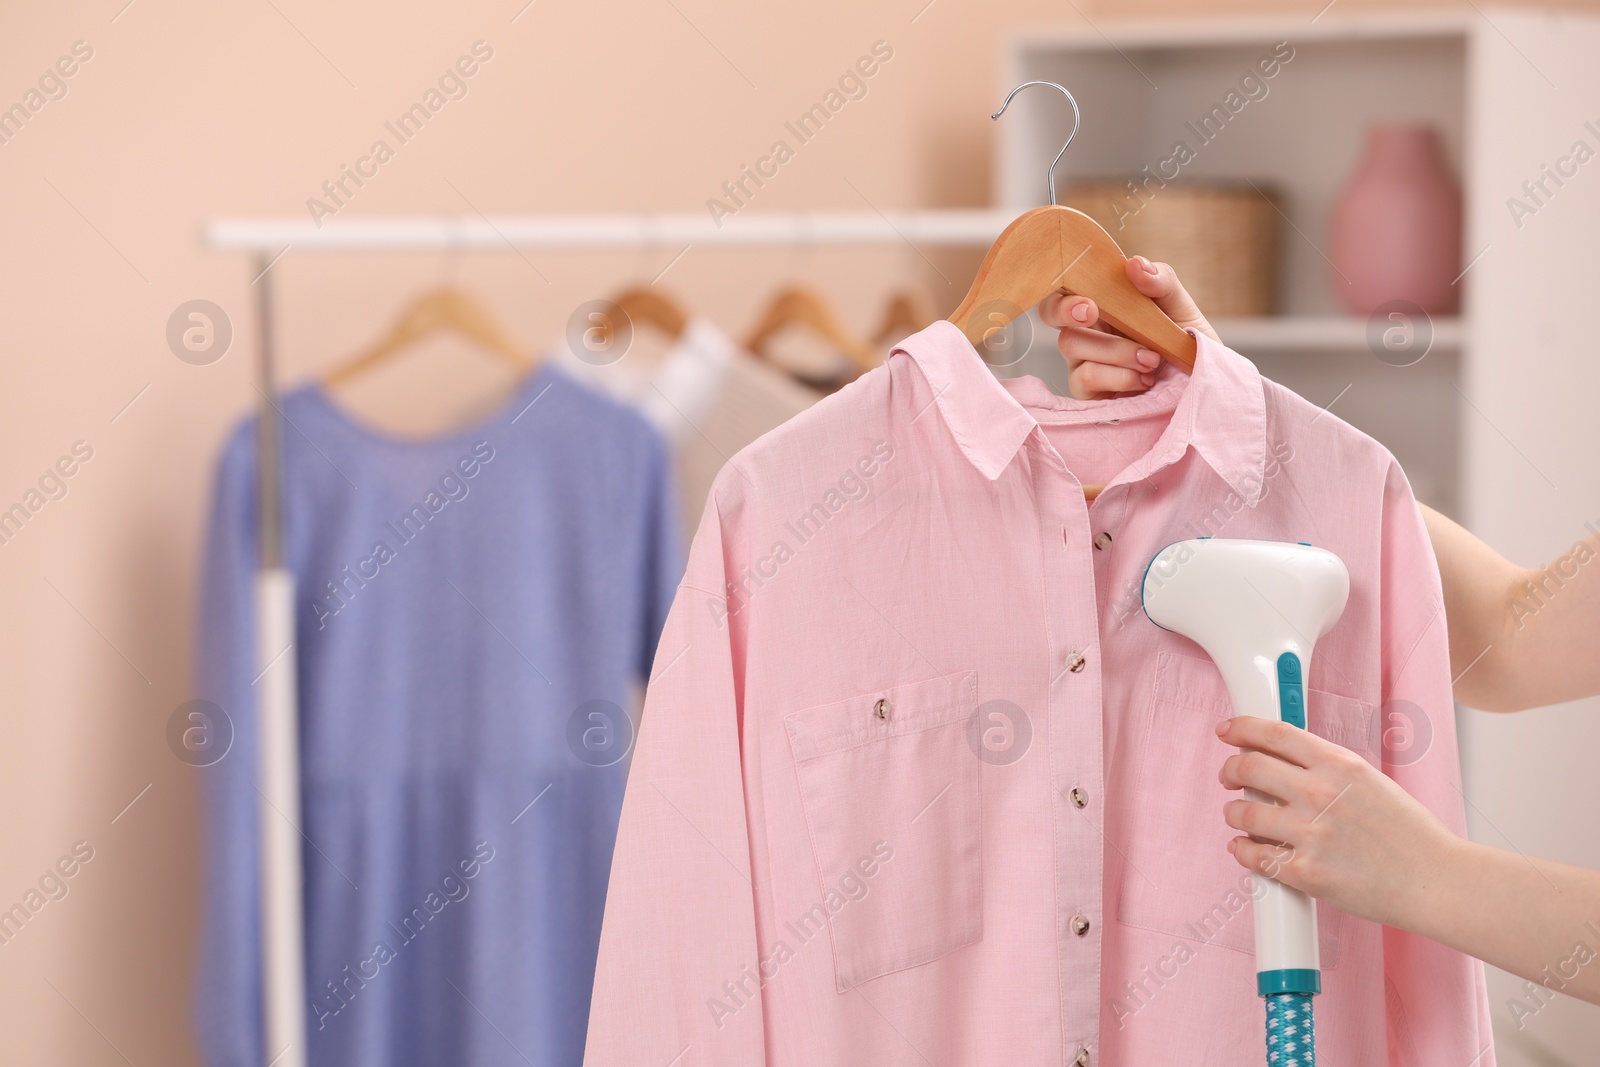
[(1290, 334), (1191, 33)]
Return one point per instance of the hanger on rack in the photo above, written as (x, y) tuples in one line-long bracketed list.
[(906, 313), (445, 308), (799, 306), (649, 305), (1057, 248)]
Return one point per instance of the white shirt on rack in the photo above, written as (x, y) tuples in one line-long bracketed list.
[(707, 397)]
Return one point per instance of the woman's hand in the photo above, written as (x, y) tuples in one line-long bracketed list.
[(1104, 363), (1345, 832)]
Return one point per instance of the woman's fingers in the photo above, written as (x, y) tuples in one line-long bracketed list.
[(1160, 282), (1087, 344), (1270, 860), (1095, 381), (1261, 819), (1060, 310), (1290, 743), (1103, 364), (1269, 774)]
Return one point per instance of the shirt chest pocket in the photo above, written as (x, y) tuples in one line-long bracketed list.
[(892, 792), (1180, 879)]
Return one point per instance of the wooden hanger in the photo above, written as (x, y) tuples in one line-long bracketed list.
[(649, 305), (906, 313), (435, 310), (1057, 248), (800, 306)]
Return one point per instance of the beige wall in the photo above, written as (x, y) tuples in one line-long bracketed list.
[(189, 110)]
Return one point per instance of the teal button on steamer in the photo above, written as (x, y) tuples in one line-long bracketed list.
[(1291, 694), (1257, 608)]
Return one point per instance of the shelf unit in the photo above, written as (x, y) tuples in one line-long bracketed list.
[(1494, 425), (1144, 87), (1313, 334)]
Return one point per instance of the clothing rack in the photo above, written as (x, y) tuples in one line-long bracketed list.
[(953, 226), (269, 239)]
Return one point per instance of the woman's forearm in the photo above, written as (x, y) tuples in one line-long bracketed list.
[(1519, 637), (1478, 585), (1554, 620), (1537, 919)]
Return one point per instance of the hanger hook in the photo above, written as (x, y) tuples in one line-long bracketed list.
[(1077, 117)]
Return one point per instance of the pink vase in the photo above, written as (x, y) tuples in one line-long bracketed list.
[(1396, 227)]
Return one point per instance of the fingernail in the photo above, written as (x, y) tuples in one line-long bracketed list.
[(1146, 357), (1148, 380), (1233, 845), (1149, 267), (1222, 727), (1081, 312)]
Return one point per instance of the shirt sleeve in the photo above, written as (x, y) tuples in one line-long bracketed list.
[(663, 550), (1437, 1000), (678, 948), (227, 998)]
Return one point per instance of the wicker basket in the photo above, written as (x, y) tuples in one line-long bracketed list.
[(1221, 239)]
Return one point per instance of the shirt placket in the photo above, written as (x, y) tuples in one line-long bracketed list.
[(1076, 748)]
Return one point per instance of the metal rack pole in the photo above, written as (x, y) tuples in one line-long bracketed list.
[(277, 730), (961, 227)]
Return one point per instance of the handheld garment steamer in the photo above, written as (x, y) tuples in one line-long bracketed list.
[(1257, 608)]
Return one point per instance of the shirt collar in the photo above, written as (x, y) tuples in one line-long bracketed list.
[(1221, 411)]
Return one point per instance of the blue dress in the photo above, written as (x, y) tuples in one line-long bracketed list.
[(471, 611)]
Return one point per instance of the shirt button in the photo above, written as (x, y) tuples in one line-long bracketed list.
[(1080, 925), (1075, 662), (881, 709), (1102, 541), (1082, 1058), (1080, 799)]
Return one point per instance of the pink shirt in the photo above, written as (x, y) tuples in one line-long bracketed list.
[(918, 782)]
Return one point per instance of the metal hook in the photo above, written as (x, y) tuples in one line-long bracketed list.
[(1077, 118)]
